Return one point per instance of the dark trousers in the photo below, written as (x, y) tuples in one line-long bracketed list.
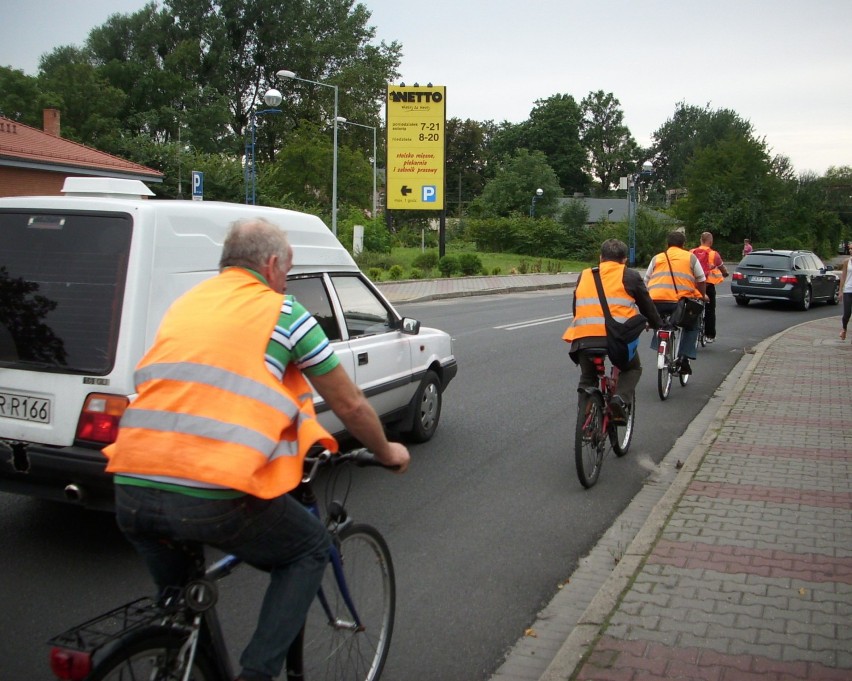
[(278, 536), (710, 312), (627, 379)]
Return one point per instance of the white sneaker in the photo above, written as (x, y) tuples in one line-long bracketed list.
[(711, 340)]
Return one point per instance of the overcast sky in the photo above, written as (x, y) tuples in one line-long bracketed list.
[(784, 65)]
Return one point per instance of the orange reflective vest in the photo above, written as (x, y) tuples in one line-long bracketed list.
[(660, 285), (714, 276), (588, 313), (208, 410)]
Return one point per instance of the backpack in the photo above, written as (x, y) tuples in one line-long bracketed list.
[(703, 256)]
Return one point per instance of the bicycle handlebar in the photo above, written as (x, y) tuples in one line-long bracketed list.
[(361, 457)]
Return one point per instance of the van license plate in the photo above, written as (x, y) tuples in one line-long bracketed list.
[(761, 280), (24, 407)]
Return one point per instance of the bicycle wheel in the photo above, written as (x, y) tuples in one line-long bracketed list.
[(155, 655), (621, 434), (335, 647), (664, 374), (702, 338), (589, 438)]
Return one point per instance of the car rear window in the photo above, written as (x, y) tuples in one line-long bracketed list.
[(766, 261), (62, 279)]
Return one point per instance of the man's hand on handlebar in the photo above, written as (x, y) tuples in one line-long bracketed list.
[(396, 456)]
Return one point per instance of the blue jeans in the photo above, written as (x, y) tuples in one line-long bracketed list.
[(688, 339), (278, 536)]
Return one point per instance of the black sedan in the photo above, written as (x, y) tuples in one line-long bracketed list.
[(798, 277)]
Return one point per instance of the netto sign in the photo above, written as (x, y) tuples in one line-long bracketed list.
[(416, 96), (416, 122)]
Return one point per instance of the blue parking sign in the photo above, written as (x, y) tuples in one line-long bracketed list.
[(429, 193), (197, 185)]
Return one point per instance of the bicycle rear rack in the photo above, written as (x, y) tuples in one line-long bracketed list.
[(96, 633)]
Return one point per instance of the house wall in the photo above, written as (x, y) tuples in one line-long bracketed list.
[(29, 182)]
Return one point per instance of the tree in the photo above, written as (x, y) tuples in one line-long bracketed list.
[(516, 182), (468, 160), (731, 190), (19, 95), (553, 128), (612, 151), (688, 130)]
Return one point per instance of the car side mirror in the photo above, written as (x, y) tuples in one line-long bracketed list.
[(409, 326)]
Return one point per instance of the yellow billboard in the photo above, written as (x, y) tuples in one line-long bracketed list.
[(416, 122)]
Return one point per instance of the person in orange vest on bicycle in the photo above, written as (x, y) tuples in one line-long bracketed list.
[(219, 429), (626, 295), (673, 274), (715, 271)]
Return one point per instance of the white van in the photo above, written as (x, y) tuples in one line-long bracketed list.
[(85, 279)]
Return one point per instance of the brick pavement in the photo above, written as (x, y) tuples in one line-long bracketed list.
[(750, 576)]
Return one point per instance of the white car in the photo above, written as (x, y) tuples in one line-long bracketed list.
[(85, 279)]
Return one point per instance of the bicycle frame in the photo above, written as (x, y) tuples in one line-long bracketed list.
[(74, 654)]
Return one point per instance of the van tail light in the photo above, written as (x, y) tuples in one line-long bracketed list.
[(70, 665), (788, 279), (100, 416), (737, 276)]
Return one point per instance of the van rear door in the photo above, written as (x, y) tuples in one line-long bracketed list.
[(62, 281)]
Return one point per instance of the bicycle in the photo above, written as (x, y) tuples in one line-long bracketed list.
[(596, 425), (346, 635), (668, 362), (702, 337)]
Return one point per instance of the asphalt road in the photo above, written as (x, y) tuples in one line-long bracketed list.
[(486, 524)]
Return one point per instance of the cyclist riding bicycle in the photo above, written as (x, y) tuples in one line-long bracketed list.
[(216, 437), (673, 274), (715, 271), (626, 296)]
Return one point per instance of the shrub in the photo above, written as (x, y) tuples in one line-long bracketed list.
[(396, 272), (415, 274), (469, 264), (448, 265), (375, 273), (496, 270), (426, 261)]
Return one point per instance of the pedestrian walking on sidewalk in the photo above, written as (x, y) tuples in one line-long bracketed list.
[(846, 289)]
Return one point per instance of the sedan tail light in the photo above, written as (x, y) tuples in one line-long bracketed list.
[(788, 279), (737, 276)]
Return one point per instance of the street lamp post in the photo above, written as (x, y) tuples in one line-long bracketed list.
[(632, 201), (283, 73), (538, 194), (342, 120), (272, 99)]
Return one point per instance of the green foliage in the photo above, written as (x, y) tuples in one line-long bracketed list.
[(427, 260), (395, 272), (513, 187), (449, 265), (613, 153), (375, 273), (470, 264), (496, 270)]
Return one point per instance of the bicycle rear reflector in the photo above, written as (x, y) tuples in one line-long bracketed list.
[(70, 665)]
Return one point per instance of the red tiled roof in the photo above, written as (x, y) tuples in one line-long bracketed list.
[(20, 142)]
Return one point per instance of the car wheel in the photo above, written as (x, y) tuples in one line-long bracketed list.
[(742, 300), (805, 302), (427, 408)]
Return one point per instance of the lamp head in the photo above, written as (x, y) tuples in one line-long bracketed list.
[(341, 119), (539, 191), (272, 97), (284, 73)]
